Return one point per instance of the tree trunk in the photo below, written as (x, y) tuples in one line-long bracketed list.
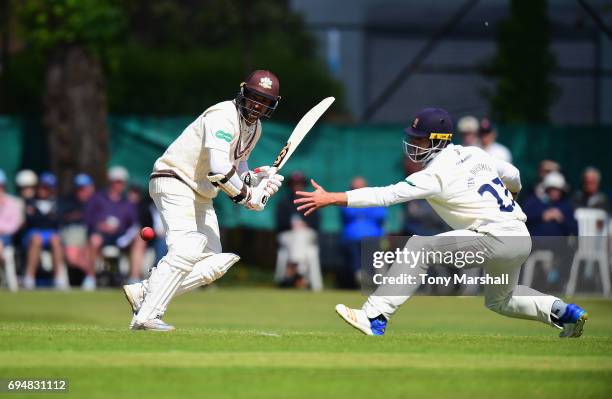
[(76, 116)]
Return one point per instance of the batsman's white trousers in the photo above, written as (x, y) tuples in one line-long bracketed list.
[(183, 211), (507, 248)]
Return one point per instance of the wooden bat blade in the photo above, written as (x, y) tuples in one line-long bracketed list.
[(301, 129)]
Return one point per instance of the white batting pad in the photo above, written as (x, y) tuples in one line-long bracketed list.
[(208, 270), (162, 289)]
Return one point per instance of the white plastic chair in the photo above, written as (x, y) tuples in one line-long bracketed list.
[(543, 257), (46, 263), (110, 254), (300, 246), (592, 247)]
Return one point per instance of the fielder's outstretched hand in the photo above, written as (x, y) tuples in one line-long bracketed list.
[(308, 202)]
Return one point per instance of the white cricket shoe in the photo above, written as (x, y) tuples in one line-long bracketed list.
[(358, 319), (89, 283), (156, 324), (61, 283), (29, 283), (134, 293)]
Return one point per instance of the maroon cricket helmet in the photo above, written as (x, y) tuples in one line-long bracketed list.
[(259, 83)]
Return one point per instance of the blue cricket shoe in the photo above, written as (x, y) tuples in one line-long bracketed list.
[(572, 321)]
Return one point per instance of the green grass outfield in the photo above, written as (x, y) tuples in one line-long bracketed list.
[(263, 343)]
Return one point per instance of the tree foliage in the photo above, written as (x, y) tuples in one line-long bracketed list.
[(168, 57), (49, 24), (213, 23), (524, 63)]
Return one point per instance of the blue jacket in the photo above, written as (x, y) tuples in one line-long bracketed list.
[(534, 207), (358, 223)]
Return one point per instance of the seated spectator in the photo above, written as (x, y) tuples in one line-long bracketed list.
[(590, 196), (468, 129), (359, 224), (110, 219), (139, 246), (147, 216), (297, 262), (72, 218), (26, 181), (488, 141), (73, 207), (546, 166), (286, 210), (42, 232), (552, 215), (11, 219)]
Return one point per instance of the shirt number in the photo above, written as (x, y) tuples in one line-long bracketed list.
[(495, 191)]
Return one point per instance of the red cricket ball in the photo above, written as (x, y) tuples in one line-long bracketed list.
[(147, 233)]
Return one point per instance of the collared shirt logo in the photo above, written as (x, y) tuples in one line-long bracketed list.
[(265, 82), (220, 134)]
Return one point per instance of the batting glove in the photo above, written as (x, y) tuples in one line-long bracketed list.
[(273, 184), (258, 200), (252, 178)]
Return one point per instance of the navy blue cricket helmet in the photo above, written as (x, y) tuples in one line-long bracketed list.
[(434, 124)]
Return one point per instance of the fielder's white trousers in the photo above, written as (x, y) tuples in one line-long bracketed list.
[(507, 249)]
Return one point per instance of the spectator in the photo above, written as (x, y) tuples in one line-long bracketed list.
[(11, 214), (148, 215), (468, 129), (488, 137), (72, 218), (552, 215), (109, 217), (139, 246), (590, 196), (42, 232), (358, 224), (26, 181), (11, 219), (546, 166), (286, 210), (73, 207), (297, 262)]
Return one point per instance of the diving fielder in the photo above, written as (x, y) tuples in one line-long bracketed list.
[(474, 194), (210, 155)]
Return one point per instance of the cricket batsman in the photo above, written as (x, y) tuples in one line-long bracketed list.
[(474, 194), (210, 155)]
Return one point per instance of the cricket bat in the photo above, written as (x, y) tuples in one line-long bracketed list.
[(299, 132)]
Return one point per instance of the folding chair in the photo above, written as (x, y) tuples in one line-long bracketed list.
[(592, 247)]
